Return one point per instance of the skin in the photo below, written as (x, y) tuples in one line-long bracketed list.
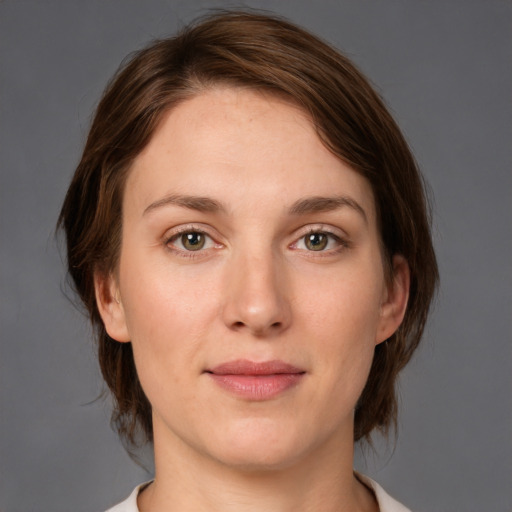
[(254, 291)]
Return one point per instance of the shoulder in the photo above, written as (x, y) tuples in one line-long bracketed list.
[(385, 501), (130, 503)]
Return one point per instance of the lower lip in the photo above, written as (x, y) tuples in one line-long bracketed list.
[(257, 387)]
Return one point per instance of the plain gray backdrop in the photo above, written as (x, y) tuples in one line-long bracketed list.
[(444, 69)]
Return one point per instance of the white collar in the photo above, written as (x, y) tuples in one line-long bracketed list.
[(385, 501)]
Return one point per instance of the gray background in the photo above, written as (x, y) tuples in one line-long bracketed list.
[(444, 68)]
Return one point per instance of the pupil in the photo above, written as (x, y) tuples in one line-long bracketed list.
[(316, 241), (193, 241)]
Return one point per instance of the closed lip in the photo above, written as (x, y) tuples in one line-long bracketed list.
[(246, 367), (254, 381)]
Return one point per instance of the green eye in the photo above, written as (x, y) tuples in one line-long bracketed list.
[(188, 241), (316, 241), (193, 241)]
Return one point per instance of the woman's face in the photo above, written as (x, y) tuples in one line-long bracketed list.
[(250, 282)]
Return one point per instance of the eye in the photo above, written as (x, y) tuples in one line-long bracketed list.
[(318, 241), (190, 241)]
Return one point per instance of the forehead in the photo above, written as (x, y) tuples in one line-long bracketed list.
[(241, 142)]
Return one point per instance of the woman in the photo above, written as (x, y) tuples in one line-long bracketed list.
[(248, 230)]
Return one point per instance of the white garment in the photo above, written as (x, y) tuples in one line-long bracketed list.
[(385, 501)]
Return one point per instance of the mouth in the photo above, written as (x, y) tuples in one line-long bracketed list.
[(256, 381)]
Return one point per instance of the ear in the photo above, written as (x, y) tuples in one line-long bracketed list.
[(395, 297), (110, 306)]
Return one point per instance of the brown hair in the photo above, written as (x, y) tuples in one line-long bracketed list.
[(262, 52)]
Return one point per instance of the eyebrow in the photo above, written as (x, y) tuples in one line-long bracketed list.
[(202, 204), (315, 204), (318, 204)]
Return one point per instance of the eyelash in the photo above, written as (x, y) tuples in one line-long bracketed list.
[(184, 253), (341, 243)]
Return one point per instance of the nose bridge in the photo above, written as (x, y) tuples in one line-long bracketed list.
[(256, 298)]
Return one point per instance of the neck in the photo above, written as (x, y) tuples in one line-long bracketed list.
[(185, 479)]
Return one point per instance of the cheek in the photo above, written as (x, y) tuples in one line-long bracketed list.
[(167, 314), (342, 317), (160, 296), (346, 302)]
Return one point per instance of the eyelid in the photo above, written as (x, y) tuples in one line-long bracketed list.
[(174, 233), (321, 228), (187, 228), (338, 234)]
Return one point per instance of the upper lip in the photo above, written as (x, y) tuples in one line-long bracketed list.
[(246, 367)]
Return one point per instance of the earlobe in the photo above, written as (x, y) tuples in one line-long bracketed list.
[(395, 299), (111, 307)]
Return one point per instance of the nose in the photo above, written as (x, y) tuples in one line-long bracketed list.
[(256, 298)]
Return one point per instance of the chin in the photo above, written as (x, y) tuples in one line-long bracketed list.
[(259, 446), (258, 459)]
